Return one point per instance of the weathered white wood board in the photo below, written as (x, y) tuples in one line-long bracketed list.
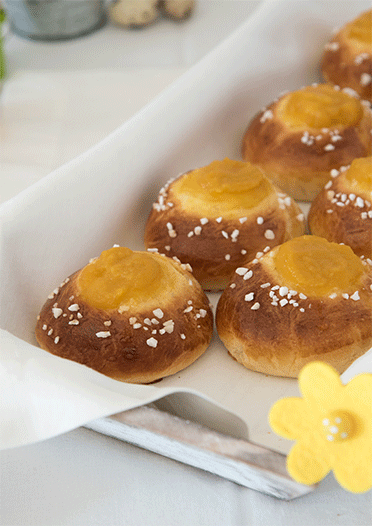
[(237, 460)]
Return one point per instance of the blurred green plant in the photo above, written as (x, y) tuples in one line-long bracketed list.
[(2, 55)]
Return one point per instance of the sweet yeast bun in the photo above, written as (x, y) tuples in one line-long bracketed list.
[(342, 211), (299, 138), (347, 58), (133, 316), (218, 216), (305, 300)]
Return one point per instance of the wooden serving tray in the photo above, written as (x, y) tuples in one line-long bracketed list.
[(237, 460)]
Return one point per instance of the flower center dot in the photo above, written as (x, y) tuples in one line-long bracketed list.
[(338, 426)]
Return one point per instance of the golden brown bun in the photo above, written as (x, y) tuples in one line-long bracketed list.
[(280, 339), (348, 63), (136, 346), (299, 160), (215, 246), (343, 213)]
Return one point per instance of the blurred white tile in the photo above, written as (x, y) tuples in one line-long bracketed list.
[(62, 98), (35, 96), (30, 142), (49, 117)]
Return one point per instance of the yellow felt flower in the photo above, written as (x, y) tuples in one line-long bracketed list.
[(332, 426)]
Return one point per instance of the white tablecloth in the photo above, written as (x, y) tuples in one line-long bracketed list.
[(59, 100)]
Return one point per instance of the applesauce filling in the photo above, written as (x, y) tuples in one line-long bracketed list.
[(120, 276), (223, 188), (361, 29), (315, 267), (360, 173), (319, 106)]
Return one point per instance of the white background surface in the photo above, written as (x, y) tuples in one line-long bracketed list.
[(62, 98), (59, 100)]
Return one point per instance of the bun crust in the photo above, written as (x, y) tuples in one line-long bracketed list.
[(280, 339), (299, 160), (215, 246), (348, 63), (136, 346), (342, 214)]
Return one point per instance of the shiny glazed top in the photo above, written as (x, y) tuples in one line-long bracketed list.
[(222, 188), (359, 175), (120, 277), (319, 106), (315, 267)]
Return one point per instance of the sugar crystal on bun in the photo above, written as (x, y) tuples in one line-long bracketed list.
[(131, 315), (303, 135), (218, 216), (305, 300)]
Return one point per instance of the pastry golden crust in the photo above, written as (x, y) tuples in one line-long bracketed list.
[(347, 59), (298, 158), (342, 211), (215, 239), (270, 328), (138, 342)]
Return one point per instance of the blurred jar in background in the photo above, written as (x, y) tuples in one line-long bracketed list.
[(55, 19), (2, 53)]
